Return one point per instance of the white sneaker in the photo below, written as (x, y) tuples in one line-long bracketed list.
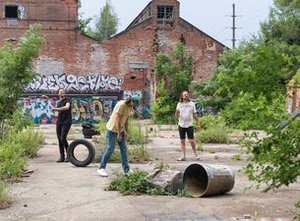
[(102, 172)]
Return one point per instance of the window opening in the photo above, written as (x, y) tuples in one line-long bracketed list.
[(11, 11), (164, 12)]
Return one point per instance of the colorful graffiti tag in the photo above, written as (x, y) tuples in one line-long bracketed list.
[(85, 108), (75, 84)]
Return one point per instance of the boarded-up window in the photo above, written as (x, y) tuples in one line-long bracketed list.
[(164, 12), (11, 11)]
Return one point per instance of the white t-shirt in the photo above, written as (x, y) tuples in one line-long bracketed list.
[(186, 113)]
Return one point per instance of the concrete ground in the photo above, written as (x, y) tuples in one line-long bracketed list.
[(64, 192)]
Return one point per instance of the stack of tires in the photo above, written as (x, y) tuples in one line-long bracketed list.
[(88, 130)]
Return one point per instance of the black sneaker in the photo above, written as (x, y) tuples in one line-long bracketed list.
[(67, 160), (60, 160)]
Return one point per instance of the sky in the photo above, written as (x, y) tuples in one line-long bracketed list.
[(214, 17)]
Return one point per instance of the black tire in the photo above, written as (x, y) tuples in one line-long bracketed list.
[(90, 156)]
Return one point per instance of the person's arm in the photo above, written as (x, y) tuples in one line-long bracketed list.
[(195, 112), (63, 108), (177, 112), (126, 128), (118, 126), (66, 107)]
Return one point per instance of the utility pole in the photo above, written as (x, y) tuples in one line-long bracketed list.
[(233, 25)]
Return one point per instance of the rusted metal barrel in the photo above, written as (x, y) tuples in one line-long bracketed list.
[(206, 180)]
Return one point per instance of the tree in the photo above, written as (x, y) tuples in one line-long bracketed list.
[(17, 70), (84, 22), (107, 23), (248, 77), (174, 75), (283, 23)]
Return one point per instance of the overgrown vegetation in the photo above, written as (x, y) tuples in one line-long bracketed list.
[(248, 89), (174, 74), (18, 140), (136, 182), (16, 66), (5, 198), (274, 160)]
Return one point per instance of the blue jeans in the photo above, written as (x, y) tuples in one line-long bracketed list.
[(111, 138)]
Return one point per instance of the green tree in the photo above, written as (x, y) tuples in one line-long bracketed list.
[(106, 23), (84, 22), (17, 70), (283, 23), (174, 75)]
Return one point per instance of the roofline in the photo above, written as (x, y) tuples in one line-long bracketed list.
[(203, 32)]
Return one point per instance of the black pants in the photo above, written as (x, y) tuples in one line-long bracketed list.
[(62, 131)]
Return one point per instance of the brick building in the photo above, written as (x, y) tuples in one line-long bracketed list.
[(97, 74)]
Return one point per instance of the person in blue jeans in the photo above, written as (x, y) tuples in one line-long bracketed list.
[(117, 131)]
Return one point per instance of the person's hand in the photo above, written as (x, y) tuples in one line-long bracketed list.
[(119, 137)]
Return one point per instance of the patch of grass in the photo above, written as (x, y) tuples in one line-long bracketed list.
[(212, 135), (5, 198), (15, 150)]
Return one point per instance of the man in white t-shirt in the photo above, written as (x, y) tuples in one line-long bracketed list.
[(186, 111)]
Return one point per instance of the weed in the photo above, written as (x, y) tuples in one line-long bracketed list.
[(236, 157), (161, 166)]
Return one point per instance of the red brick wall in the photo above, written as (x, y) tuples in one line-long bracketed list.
[(119, 55)]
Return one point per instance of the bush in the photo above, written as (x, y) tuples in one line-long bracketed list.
[(12, 160), (15, 149), (250, 112), (209, 121), (211, 129), (131, 183), (274, 160)]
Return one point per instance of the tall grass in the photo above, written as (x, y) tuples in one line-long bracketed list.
[(5, 198)]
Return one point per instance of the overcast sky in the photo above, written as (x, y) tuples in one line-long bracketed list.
[(210, 16)]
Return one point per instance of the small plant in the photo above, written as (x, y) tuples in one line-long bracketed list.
[(131, 183), (236, 157), (136, 183), (211, 151), (161, 166)]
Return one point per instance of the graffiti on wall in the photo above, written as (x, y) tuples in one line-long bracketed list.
[(133, 93), (75, 84), (142, 109), (87, 108)]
